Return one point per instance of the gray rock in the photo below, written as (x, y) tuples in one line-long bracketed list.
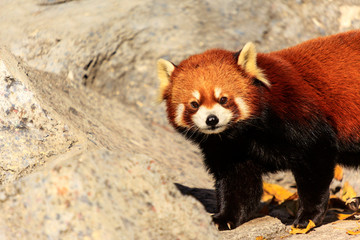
[(336, 230), (30, 134), (102, 195), (111, 46), (266, 227), (85, 151), (113, 183)]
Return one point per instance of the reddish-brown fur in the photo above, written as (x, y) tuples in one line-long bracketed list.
[(301, 113), (204, 72), (299, 84), (325, 74)]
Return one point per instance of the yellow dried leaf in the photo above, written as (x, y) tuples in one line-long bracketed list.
[(354, 232), (280, 194), (295, 230), (338, 173), (347, 192), (342, 216), (260, 238), (266, 197), (295, 196)]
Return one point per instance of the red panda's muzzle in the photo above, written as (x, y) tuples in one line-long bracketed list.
[(212, 120)]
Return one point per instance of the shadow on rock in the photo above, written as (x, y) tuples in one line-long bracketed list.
[(205, 196), (285, 212)]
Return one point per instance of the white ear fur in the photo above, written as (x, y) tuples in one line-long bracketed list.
[(164, 70), (247, 60)]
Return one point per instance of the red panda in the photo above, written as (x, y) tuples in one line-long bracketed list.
[(251, 113)]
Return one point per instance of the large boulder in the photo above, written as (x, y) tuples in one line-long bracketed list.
[(30, 134), (97, 170), (86, 153)]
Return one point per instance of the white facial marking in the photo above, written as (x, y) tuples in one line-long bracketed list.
[(224, 115), (243, 107), (179, 115), (217, 92), (196, 95)]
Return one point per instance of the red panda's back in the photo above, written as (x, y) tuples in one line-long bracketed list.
[(324, 71)]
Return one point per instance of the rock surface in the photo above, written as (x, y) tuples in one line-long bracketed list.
[(112, 183), (29, 133), (85, 151)]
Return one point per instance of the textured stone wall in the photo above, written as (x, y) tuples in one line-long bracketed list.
[(86, 153)]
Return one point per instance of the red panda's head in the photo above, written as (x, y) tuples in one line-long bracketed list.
[(211, 91)]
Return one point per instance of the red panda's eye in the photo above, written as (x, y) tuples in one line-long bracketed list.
[(194, 105), (223, 100)]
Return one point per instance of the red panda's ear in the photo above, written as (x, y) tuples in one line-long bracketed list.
[(247, 60), (164, 70)]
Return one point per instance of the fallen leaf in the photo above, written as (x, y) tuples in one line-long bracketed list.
[(279, 193), (295, 196), (260, 238), (338, 173), (343, 216), (266, 197), (347, 192), (356, 231), (295, 230)]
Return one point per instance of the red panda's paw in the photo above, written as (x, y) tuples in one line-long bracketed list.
[(353, 204), (223, 222), (301, 223), (304, 220)]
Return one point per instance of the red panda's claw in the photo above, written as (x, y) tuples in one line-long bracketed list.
[(353, 204), (229, 225)]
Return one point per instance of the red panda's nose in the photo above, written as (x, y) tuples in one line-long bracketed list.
[(212, 120)]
